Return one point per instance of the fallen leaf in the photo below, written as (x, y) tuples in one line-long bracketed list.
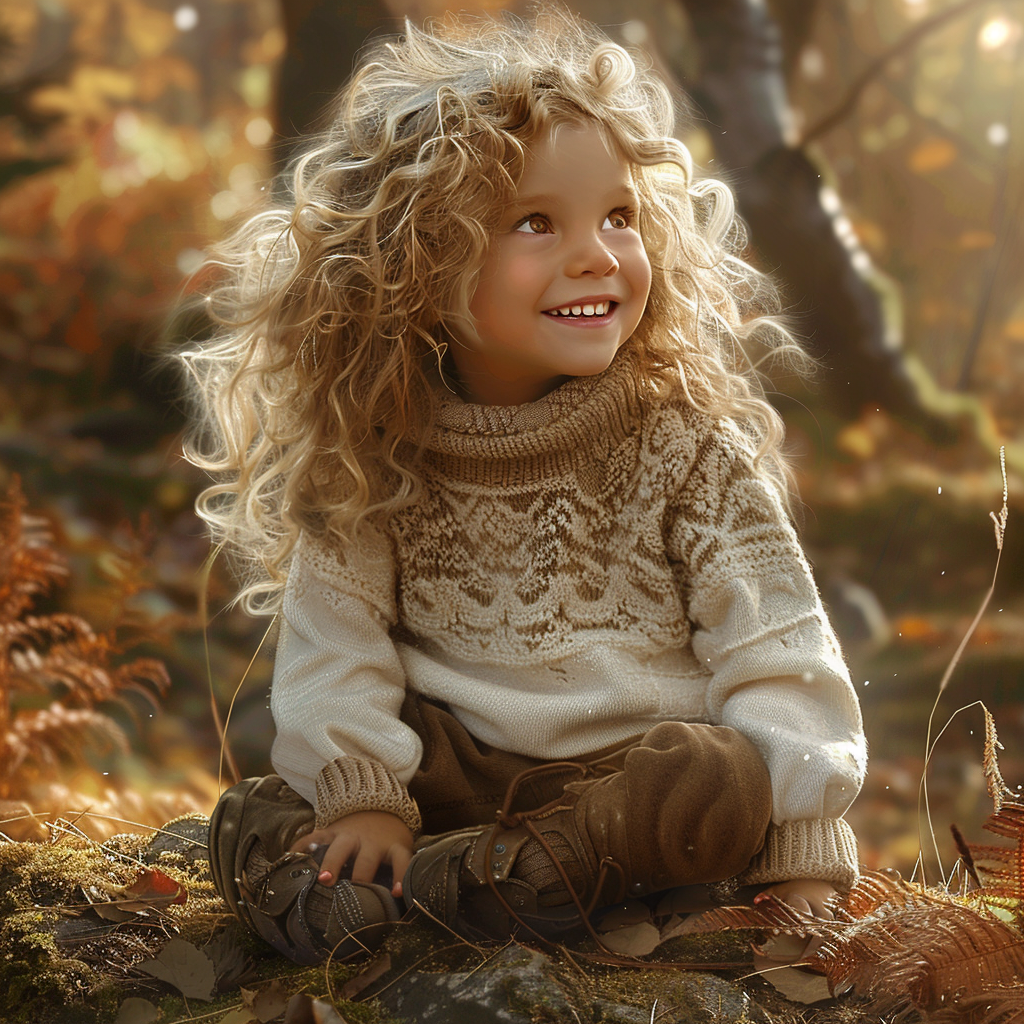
[(151, 890), (270, 1002), (634, 940), (239, 1015), (774, 960), (185, 967), (680, 924), (152, 886), (796, 983), (230, 964), (628, 912), (136, 1011), (304, 1009), (374, 970)]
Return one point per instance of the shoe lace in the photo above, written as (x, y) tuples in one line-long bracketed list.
[(509, 819)]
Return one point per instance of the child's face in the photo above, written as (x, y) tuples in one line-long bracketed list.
[(568, 241)]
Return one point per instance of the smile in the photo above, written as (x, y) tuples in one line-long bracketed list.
[(586, 309)]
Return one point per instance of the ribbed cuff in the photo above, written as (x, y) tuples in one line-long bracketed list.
[(823, 848), (349, 784)]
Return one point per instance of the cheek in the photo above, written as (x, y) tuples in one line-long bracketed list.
[(640, 267)]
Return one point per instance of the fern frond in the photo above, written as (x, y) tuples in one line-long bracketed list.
[(926, 957), (30, 566), (48, 736), (56, 670)]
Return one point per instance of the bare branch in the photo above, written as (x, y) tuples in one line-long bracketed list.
[(875, 68)]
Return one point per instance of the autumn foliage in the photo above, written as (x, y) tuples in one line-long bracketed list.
[(60, 683)]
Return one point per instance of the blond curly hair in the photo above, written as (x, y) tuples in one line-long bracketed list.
[(314, 395)]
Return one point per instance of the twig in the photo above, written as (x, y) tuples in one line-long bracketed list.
[(842, 110), (225, 750), (462, 938), (89, 814), (483, 963), (1000, 529), (231, 707)]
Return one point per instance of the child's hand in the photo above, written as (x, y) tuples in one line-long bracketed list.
[(807, 895), (368, 839)]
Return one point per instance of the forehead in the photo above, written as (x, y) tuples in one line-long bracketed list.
[(574, 158)]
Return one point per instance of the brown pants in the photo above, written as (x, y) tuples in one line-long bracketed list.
[(692, 801)]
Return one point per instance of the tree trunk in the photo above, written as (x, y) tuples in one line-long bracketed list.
[(741, 91), (323, 39)]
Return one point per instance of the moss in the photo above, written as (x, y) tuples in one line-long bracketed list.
[(35, 977)]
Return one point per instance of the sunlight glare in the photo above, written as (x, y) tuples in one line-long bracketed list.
[(996, 32)]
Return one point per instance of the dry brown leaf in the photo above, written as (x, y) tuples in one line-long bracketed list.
[(628, 912), (136, 1011), (230, 963), (185, 967), (795, 983), (680, 924), (375, 969), (304, 1009), (633, 940), (270, 1002), (151, 890), (239, 1015)]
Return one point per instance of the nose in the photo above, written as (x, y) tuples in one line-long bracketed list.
[(589, 255)]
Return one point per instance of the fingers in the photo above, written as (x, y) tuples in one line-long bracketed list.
[(367, 861), (400, 856), (309, 842), (339, 853), (800, 905)]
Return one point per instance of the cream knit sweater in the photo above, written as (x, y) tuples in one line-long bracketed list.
[(577, 570)]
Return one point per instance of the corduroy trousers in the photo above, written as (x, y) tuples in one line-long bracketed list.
[(692, 802)]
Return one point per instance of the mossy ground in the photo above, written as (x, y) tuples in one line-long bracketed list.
[(61, 964)]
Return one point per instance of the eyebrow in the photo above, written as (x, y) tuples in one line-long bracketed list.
[(626, 192)]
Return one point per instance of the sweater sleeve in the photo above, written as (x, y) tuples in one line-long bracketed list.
[(338, 684), (776, 671)]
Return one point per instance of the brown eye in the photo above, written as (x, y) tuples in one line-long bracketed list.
[(534, 225), (617, 219)]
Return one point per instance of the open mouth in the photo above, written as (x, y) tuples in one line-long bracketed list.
[(583, 311)]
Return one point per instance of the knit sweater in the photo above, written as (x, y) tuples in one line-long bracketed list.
[(577, 570)]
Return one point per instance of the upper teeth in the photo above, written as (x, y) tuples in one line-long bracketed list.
[(590, 309)]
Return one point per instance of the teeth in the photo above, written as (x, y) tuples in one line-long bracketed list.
[(590, 309)]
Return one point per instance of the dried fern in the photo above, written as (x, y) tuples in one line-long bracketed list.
[(56, 671), (912, 949)]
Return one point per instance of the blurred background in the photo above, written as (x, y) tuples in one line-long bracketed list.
[(877, 151)]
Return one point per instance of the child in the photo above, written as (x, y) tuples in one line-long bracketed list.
[(482, 430)]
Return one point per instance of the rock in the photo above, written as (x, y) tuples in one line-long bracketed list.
[(521, 986), (617, 1013), (856, 614), (183, 840), (513, 988), (717, 999)]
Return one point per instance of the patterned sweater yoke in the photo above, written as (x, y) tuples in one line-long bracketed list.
[(577, 570)]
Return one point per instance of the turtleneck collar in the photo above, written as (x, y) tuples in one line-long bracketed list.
[(578, 414)]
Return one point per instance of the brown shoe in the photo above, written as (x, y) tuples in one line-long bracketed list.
[(276, 893), (545, 869)]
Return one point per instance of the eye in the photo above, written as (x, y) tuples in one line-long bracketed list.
[(535, 224), (619, 219)]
